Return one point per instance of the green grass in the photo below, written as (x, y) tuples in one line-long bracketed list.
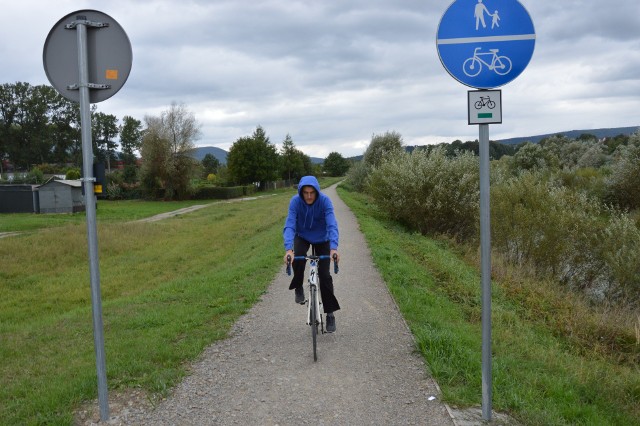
[(173, 287), (107, 211), (541, 376), (169, 289)]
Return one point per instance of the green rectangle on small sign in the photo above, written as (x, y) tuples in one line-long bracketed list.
[(485, 115)]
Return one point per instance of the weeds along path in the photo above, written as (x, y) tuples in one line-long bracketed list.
[(367, 372)]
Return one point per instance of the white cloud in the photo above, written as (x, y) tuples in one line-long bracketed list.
[(332, 73)]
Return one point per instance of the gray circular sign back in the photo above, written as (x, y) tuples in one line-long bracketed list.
[(109, 55)]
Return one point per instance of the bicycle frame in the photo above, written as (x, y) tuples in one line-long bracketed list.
[(314, 303)]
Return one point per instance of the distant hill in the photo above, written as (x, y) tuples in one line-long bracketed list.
[(221, 154), (573, 134), (199, 153)]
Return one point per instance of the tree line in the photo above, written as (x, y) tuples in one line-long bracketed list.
[(169, 170), (40, 132), (39, 126)]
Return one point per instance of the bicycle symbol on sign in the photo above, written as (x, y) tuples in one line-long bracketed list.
[(485, 101), (501, 65)]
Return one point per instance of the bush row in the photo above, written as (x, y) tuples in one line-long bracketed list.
[(537, 221)]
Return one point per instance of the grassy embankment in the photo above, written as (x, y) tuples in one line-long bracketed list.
[(543, 373), (169, 289)]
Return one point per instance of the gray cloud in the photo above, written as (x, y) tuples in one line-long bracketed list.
[(332, 73)]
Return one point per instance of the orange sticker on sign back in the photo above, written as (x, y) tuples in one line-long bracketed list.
[(112, 74)]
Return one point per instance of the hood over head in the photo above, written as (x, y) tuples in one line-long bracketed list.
[(309, 181)]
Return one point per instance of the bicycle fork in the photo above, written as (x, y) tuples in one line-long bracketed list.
[(313, 287)]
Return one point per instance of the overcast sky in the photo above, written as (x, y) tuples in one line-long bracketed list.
[(331, 73)]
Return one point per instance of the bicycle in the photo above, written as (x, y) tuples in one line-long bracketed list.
[(485, 101), (501, 65), (314, 303)]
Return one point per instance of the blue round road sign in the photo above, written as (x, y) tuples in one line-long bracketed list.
[(485, 43)]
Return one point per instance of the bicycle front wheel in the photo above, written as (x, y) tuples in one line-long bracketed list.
[(313, 297)]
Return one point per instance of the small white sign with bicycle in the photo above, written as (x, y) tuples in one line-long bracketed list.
[(485, 106)]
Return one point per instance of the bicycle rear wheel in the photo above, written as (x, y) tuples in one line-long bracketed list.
[(313, 296)]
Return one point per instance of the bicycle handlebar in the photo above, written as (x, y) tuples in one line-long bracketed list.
[(322, 257)]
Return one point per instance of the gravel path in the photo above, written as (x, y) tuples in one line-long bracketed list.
[(367, 372)]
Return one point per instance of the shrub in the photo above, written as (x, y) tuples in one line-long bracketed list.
[(382, 147), (567, 236), (430, 192), (73, 174), (623, 186), (114, 192), (357, 176), (35, 176)]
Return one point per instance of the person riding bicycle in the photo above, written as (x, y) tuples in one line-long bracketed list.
[(311, 222)]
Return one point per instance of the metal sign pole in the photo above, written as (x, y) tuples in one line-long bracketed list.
[(485, 259), (90, 202)]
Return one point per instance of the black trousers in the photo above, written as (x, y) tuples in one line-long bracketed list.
[(300, 248)]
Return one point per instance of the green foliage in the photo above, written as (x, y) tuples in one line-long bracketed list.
[(104, 131), (381, 147), (430, 192), (623, 185), (210, 165), (253, 159), (73, 174), (567, 236), (358, 175), (533, 157), (548, 213), (35, 175), (335, 165), (37, 125), (130, 138), (294, 163)]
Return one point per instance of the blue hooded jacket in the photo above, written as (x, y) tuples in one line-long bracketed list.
[(315, 223)]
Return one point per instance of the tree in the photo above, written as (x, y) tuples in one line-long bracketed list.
[(105, 130), (382, 146), (335, 165), (167, 166), (294, 163), (130, 138), (253, 159), (531, 156), (210, 164)]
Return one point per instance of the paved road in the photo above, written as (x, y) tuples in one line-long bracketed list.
[(367, 372)]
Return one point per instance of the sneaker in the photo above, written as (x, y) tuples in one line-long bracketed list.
[(331, 323), (300, 295)]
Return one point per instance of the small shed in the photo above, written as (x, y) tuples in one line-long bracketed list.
[(61, 196), (19, 199)]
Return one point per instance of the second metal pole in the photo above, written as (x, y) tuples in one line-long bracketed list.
[(485, 259)]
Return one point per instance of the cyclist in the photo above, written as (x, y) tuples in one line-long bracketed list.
[(311, 222)]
